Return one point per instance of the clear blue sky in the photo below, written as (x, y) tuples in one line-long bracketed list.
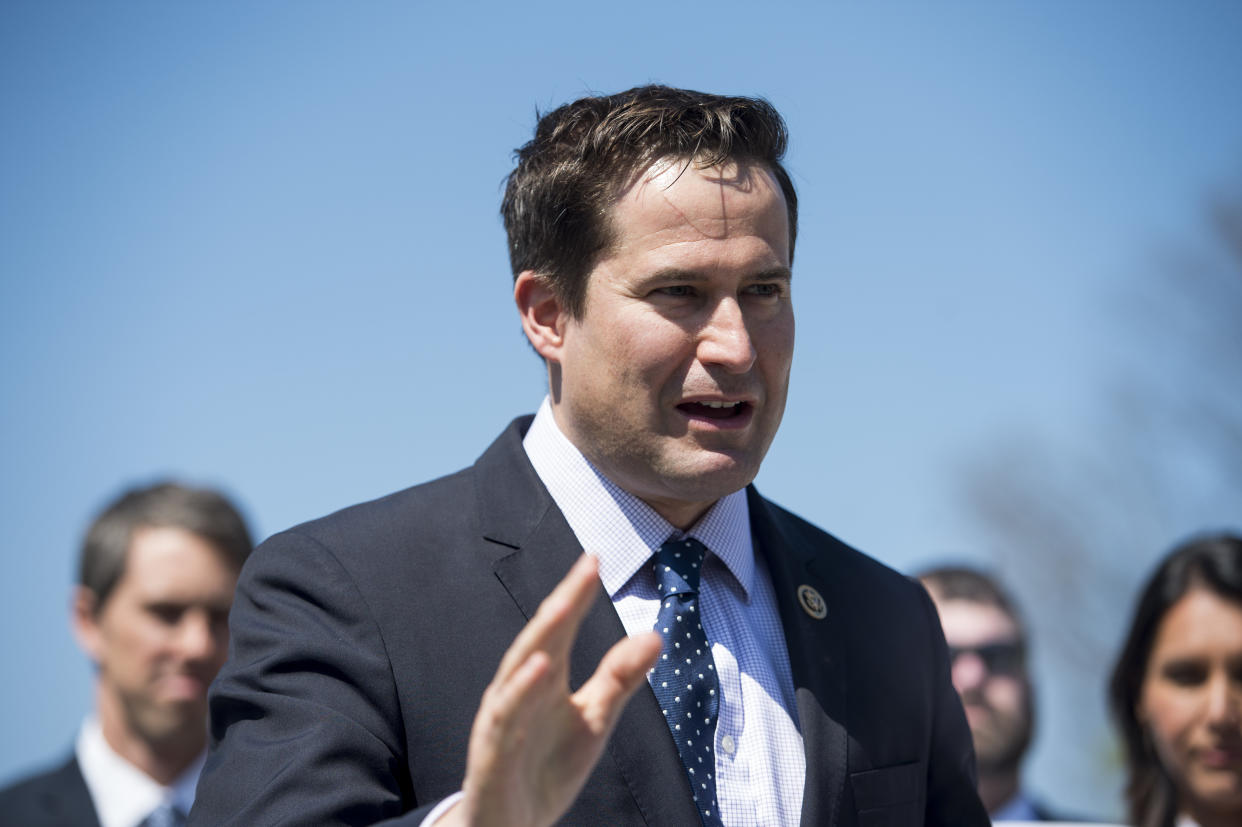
[(257, 245)]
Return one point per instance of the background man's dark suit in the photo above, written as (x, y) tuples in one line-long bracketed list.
[(57, 798), (362, 643)]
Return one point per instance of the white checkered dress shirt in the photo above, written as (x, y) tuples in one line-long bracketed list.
[(760, 764)]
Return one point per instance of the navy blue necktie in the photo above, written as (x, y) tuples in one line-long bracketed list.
[(684, 678)]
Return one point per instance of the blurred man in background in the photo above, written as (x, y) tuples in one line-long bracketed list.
[(987, 652), (155, 584)]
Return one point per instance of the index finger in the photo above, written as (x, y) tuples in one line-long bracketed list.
[(556, 621)]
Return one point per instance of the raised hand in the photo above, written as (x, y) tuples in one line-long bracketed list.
[(533, 744)]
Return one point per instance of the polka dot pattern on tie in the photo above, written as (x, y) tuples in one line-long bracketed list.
[(684, 677)]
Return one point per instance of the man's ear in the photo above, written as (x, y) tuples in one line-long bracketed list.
[(543, 318), (84, 614)]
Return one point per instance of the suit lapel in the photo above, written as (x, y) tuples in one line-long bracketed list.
[(535, 547), (816, 658), (65, 798)]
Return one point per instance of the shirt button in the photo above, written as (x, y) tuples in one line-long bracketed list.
[(727, 744)]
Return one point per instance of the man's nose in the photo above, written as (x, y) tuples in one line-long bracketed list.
[(196, 637), (968, 672), (725, 340)]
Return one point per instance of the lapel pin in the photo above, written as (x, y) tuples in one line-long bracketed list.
[(812, 602)]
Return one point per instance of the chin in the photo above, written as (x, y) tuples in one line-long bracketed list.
[(174, 730), (710, 478), (1221, 793)]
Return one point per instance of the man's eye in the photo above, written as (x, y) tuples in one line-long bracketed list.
[(764, 289), (166, 613), (676, 290)]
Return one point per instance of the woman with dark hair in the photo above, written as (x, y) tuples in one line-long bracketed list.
[(1176, 692)]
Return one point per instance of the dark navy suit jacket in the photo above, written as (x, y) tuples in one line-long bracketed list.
[(57, 798), (362, 643)]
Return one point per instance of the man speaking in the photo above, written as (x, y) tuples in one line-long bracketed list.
[(426, 657)]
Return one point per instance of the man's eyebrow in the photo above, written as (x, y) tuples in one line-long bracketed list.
[(672, 274), (774, 274)]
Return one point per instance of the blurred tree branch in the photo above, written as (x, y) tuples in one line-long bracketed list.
[(1076, 527)]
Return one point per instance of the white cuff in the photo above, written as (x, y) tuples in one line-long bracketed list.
[(441, 809)]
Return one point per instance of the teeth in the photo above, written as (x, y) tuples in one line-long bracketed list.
[(721, 404)]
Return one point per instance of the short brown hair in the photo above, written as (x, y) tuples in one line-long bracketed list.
[(972, 585), (200, 511), (585, 153)]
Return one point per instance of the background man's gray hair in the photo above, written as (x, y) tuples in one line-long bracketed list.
[(200, 511)]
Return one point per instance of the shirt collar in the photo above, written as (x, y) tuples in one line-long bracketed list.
[(618, 528), (123, 794)]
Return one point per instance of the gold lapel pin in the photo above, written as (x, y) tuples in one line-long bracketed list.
[(812, 602)]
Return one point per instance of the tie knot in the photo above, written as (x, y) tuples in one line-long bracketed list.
[(678, 564), (165, 815)]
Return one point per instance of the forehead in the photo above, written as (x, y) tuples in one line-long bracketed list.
[(676, 201), (163, 561), (1201, 622), (967, 623)]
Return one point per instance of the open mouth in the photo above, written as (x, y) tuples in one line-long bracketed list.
[(715, 410)]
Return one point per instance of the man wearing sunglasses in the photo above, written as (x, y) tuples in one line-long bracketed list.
[(987, 652)]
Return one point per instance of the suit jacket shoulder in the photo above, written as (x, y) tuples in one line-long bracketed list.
[(361, 644), (56, 798)]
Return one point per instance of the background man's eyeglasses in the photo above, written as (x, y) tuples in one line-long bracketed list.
[(998, 658)]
